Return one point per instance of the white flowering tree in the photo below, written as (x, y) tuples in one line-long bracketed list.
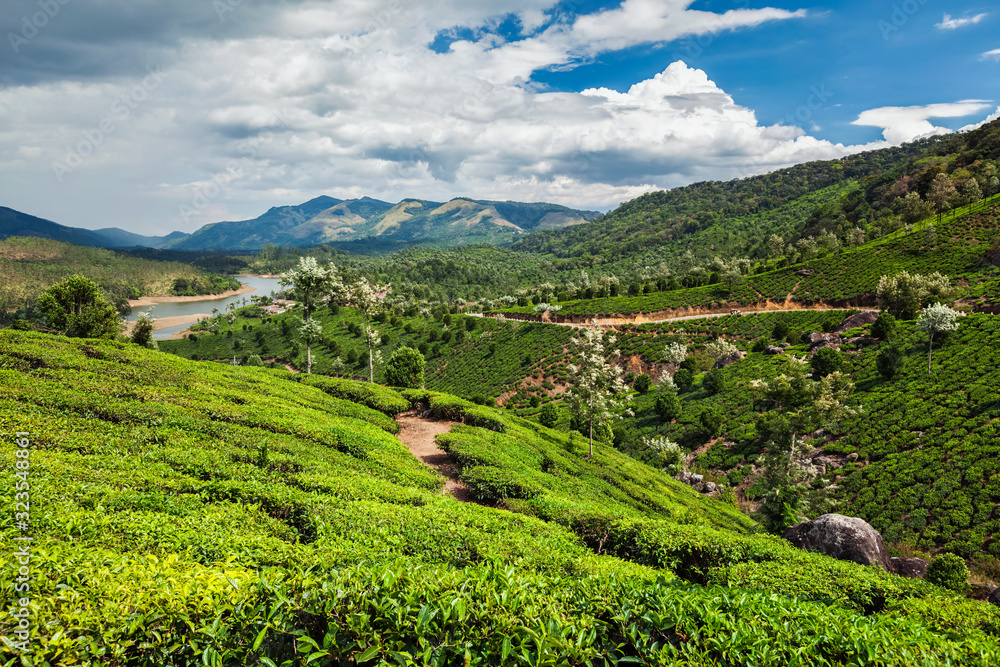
[(368, 298), (311, 282), (668, 452), (675, 353), (597, 393), (720, 349), (937, 318)]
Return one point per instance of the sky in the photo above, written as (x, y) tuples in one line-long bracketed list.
[(158, 116)]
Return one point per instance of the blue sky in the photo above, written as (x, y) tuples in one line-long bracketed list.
[(157, 116)]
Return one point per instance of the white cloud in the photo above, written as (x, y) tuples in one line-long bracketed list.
[(991, 55), (948, 23), (902, 124)]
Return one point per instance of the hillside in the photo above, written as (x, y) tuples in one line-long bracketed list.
[(190, 513), (737, 217), (363, 224), (30, 265)]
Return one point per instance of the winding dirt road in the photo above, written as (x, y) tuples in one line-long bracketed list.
[(418, 435)]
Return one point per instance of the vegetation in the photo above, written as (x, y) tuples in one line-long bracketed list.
[(405, 368)]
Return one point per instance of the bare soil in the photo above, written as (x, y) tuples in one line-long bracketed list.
[(418, 433)]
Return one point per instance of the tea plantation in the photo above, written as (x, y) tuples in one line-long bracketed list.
[(187, 513)]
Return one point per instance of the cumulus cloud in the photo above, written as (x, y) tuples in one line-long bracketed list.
[(902, 124), (948, 23), (276, 104)]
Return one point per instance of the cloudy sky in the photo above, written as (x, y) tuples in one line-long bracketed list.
[(157, 116)]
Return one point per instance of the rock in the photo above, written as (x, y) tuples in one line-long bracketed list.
[(731, 359), (699, 487), (804, 272), (709, 487), (853, 456), (914, 568), (771, 349), (696, 479), (994, 597), (784, 344), (815, 337), (856, 320), (841, 537), (684, 476), (824, 461)]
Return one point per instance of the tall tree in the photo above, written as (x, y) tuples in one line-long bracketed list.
[(367, 297), (941, 193), (311, 282), (597, 393), (77, 308), (934, 319)]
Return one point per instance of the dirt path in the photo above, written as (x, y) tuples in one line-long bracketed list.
[(418, 436)]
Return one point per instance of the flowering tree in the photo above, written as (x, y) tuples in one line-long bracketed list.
[(367, 297), (937, 318), (675, 353), (597, 392), (310, 282)]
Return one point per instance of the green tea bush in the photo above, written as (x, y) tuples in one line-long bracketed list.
[(949, 571)]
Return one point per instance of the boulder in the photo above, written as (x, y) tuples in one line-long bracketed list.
[(699, 487), (815, 337), (856, 320), (771, 349), (914, 568), (841, 537), (722, 362), (709, 487), (696, 479), (994, 597), (853, 456), (804, 272)]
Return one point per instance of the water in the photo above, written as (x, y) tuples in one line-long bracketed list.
[(262, 286)]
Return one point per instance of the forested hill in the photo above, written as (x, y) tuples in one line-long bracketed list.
[(862, 190)]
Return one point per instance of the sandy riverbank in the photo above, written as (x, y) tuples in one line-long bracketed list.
[(153, 300), (167, 322)]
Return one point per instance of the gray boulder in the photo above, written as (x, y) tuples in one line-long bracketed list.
[(771, 349), (841, 537), (914, 568), (696, 479), (709, 487), (994, 597), (856, 320), (722, 362)]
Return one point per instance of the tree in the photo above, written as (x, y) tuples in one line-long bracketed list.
[(775, 246), (715, 381), (405, 368), (885, 326), (675, 353), (310, 282), (934, 319), (912, 208), (941, 192), (903, 294), (827, 360), (597, 391), (799, 405), (856, 236), (77, 308), (993, 187), (971, 192), (142, 332), (667, 452), (668, 406), (720, 349), (549, 415), (711, 420), (889, 361), (367, 297), (641, 383)]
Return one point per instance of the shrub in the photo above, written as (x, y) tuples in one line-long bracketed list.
[(254, 360), (759, 345), (949, 571), (711, 420), (549, 415), (668, 406), (885, 327), (889, 362), (683, 378), (642, 383), (826, 361), (780, 330), (405, 368), (535, 401), (715, 381)]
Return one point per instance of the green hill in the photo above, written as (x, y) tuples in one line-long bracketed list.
[(187, 513), (737, 217), (30, 265)]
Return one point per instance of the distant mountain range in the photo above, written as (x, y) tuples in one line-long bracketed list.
[(351, 223)]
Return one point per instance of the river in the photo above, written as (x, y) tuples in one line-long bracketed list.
[(191, 310)]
